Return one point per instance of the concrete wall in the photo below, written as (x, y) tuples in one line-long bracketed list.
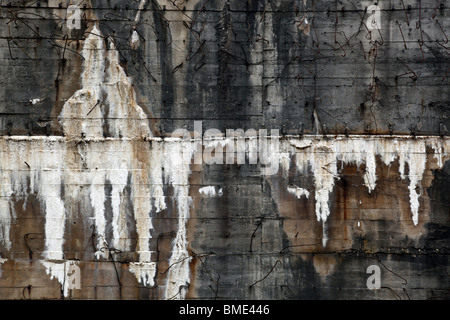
[(98, 200)]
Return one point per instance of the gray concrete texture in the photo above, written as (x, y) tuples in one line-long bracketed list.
[(359, 92)]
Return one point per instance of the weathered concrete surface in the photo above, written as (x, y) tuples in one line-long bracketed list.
[(90, 177)]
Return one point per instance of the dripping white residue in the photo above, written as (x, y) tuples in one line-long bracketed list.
[(62, 271), (324, 234), (10, 182), (322, 155), (323, 163), (210, 191), (126, 118), (82, 113), (416, 163), (144, 272), (55, 164), (156, 174), (114, 163), (98, 198), (370, 176), (160, 202), (118, 177), (298, 192), (179, 154), (51, 177), (103, 84), (285, 162), (126, 161), (45, 166), (50, 195), (145, 269)]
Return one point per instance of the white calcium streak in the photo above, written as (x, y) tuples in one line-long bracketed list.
[(370, 177), (142, 4), (118, 177), (5, 218), (98, 198), (109, 161), (82, 113), (55, 218), (5, 199), (156, 174), (414, 154), (322, 156), (104, 84), (324, 168), (41, 167), (141, 194), (60, 271), (126, 118), (178, 158), (35, 163), (134, 41)]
